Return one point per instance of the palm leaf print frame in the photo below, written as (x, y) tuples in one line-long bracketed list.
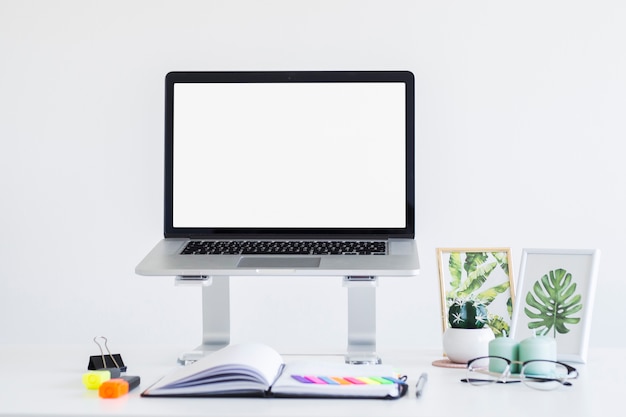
[(482, 274), (556, 289)]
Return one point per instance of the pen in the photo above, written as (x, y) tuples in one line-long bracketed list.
[(421, 382)]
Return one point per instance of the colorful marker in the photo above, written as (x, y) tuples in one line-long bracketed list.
[(93, 379), (116, 387)]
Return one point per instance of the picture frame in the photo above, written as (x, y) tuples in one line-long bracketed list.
[(570, 274), (483, 274)]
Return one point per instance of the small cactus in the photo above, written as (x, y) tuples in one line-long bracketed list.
[(467, 314)]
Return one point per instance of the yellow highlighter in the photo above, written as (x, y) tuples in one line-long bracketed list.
[(93, 379)]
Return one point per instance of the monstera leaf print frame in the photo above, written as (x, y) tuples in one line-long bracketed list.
[(555, 291)]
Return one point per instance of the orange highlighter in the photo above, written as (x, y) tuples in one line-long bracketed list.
[(117, 387)]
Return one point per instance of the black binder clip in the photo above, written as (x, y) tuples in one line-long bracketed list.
[(105, 361)]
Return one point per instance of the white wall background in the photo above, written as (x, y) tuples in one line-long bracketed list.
[(520, 118)]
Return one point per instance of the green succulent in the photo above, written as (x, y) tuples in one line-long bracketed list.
[(467, 314)]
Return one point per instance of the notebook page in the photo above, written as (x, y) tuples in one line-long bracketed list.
[(288, 385), (257, 361)]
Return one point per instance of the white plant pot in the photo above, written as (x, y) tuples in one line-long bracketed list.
[(461, 345)]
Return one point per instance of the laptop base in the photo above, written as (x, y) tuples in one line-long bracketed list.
[(361, 347)]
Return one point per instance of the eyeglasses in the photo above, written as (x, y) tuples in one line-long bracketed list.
[(538, 374)]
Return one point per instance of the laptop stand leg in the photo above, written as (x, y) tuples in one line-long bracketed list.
[(361, 320), (215, 316)]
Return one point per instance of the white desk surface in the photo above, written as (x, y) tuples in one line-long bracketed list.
[(46, 381)]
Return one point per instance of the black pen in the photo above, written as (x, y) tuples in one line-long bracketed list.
[(421, 382)]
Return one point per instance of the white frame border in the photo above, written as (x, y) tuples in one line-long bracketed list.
[(581, 355)]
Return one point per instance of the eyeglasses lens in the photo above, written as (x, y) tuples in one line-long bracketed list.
[(486, 370), (545, 375)]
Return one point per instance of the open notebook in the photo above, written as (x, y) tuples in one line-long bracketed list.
[(252, 369)]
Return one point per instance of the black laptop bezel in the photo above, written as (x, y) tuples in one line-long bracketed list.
[(405, 77)]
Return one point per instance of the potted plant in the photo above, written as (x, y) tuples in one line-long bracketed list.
[(468, 336)]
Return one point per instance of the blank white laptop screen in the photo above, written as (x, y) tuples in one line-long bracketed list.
[(289, 155)]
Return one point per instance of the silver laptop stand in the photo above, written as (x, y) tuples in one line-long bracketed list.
[(361, 347)]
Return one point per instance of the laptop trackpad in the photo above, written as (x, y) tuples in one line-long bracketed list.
[(279, 262)]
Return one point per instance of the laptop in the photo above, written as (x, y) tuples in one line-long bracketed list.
[(288, 173)]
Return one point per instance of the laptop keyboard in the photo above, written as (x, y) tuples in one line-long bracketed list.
[(264, 247)]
